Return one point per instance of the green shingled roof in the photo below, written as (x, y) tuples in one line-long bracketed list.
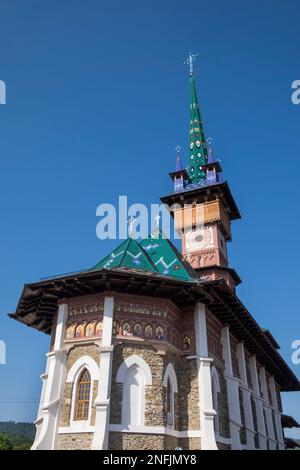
[(155, 254), (166, 258), (128, 255)]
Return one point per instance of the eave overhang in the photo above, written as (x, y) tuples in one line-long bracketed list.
[(216, 267), (291, 443), (289, 422), (38, 303), (38, 306)]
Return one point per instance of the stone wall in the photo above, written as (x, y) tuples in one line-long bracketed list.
[(78, 441), (223, 405), (188, 391), (154, 394), (191, 443), (186, 410), (222, 446), (135, 441)]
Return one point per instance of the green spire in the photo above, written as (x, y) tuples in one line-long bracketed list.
[(198, 149)]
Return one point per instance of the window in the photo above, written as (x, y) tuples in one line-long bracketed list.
[(170, 403), (83, 396), (215, 385), (170, 382)]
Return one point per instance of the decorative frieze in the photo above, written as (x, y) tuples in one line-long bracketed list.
[(86, 310), (136, 321)]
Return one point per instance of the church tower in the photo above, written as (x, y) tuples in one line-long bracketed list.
[(202, 204)]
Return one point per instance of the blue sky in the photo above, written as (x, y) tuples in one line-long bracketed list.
[(97, 99)]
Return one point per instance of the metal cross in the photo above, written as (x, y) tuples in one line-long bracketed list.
[(178, 148), (157, 219), (131, 223), (190, 62)]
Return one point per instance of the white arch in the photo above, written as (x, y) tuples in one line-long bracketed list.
[(170, 373), (134, 360), (81, 363)]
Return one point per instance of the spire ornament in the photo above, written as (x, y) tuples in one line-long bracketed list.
[(190, 62), (178, 160), (210, 150)]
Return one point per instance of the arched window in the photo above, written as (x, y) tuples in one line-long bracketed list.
[(170, 403), (215, 385), (170, 382), (83, 396)]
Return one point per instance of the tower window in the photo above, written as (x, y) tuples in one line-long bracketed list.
[(83, 396)]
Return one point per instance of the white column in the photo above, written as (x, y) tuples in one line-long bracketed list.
[(261, 428), (233, 384), (102, 401), (249, 425), (277, 414), (268, 409), (52, 391), (207, 413)]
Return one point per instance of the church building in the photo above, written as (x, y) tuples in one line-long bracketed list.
[(151, 348)]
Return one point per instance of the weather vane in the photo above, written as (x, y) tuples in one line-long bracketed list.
[(178, 162), (190, 62), (178, 148)]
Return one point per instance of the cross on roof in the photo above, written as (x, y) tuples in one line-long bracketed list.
[(190, 62)]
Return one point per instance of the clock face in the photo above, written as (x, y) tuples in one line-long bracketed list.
[(199, 239)]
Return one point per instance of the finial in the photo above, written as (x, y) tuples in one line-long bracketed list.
[(210, 150), (157, 219), (178, 161), (190, 62), (131, 223)]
